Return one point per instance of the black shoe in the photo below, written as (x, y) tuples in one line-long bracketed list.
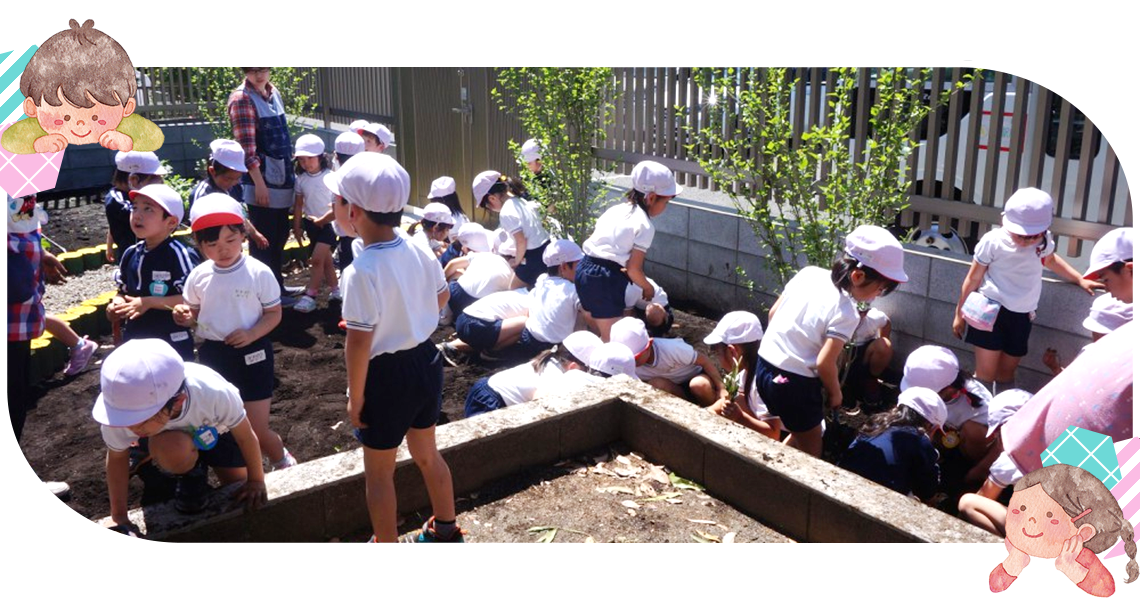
[(191, 490)]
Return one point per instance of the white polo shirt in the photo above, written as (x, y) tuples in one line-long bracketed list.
[(486, 273), (673, 359), (869, 326), (1004, 472), (633, 296), (518, 214), (812, 311), (1013, 274), (619, 231), (230, 299), (554, 309), (959, 411), (392, 289), (210, 401), (500, 305), (317, 196), (755, 403), (520, 383)]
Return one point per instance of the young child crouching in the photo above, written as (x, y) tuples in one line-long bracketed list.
[(393, 292), (670, 364), (235, 302), (191, 417), (736, 343)]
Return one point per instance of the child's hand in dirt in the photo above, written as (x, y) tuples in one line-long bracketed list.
[(251, 495), (1016, 561), (50, 143), (183, 316), (1067, 560), (240, 338), (117, 140)]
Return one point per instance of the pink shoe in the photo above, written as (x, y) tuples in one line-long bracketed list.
[(80, 357)]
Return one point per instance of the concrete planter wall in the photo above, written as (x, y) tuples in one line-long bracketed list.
[(697, 250)]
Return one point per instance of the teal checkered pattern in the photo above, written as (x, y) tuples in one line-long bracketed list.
[(11, 67), (1085, 449)]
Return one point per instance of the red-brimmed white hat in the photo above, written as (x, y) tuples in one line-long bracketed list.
[(215, 210)]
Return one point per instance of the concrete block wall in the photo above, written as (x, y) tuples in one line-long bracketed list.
[(698, 248)]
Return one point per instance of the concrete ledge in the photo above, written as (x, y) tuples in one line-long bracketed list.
[(802, 497)]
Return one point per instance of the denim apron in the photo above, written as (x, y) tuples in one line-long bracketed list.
[(274, 148)]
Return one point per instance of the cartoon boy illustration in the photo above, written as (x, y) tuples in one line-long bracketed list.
[(80, 89), (1064, 513)]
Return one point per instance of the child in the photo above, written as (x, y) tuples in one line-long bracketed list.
[(1105, 315), (443, 191), (670, 364), (868, 354), (1064, 512), (554, 309), (736, 343), (311, 210), (1007, 272), (615, 252), (524, 382), (431, 232), (377, 137), (117, 207), (392, 296), (611, 359), (223, 175), (152, 272), (347, 144), (519, 218), (967, 401), (1111, 263), (810, 323), (894, 448), (81, 349), (235, 302), (494, 322), (80, 89), (188, 416), (983, 508), (655, 312), (482, 271)]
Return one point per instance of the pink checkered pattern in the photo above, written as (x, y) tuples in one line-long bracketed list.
[(1127, 491), (26, 174)]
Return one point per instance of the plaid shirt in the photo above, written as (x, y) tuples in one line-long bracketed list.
[(26, 320), (243, 118)]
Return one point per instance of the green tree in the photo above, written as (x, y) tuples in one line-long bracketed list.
[(216, 84), (566, 110), (803, 193)]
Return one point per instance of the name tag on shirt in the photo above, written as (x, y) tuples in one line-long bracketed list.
[(179, 336), (160, 276), (255, 357)]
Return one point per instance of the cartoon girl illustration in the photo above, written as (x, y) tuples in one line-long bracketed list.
[(1066, 513)]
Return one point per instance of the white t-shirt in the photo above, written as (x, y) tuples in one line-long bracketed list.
[(392, 289), (870, 326), (812, 310), (486, 273), (210, 401), (959, 411), (620, 230), (554, 308), (1004, 472), (755, 403), (520, 383), (500, 305), (1013, 274), (230, 299), (568, 381), (425, 243), (633, 296), (518, 214), (672, 359), (317, 196)]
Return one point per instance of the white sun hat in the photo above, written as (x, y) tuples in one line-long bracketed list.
[(876, 248), (736, 327), (1028, 211), (375, 182), (136, 380), (652, 177)]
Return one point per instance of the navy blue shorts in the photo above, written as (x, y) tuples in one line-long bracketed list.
[(249, 368), (601, 287), (178, 337), (479, 334), (403, 390), (482, 399), (319, 235), (532, 266), (529, 345), (452, 251), (1010, 334), (344, 252), (225, 454), (459, 298), (797, 400)]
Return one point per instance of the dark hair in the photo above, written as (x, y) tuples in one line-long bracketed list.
[(121, 177), (1118, 266), (844, 265), (517, 187), (637, 198), (1084, 498), (901, 415), (451, 200), (498, 187), (959, 383), (369, 135), (220, 169), (324, 157), (80, 62), (427, 225), (751, 353), (342, 158), (389, 219), (211, 234), (544, 356)]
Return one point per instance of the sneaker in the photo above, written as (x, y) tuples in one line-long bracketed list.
[(451, 356), (191, 490), (286, 461), (427, 534), (293, 291), (368, 561), (80, 357), (334, 294), (60, 489), (305, 304), (288, 301)]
